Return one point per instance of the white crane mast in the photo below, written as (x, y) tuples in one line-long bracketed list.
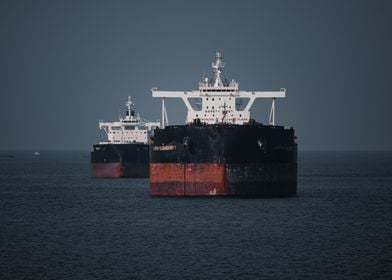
[(220, 101)]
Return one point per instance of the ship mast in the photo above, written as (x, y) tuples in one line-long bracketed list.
[(130, 113), (218, 65)]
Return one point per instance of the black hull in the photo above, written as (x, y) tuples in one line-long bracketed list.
[(244, 160), (120, 160)]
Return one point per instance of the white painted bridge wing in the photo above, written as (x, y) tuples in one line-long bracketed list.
[(175, 94), (263, 94), (254, 94)]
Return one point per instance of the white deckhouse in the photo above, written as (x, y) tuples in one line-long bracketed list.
[(218, 101)]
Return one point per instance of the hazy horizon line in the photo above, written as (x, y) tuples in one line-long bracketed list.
[(88, 150)]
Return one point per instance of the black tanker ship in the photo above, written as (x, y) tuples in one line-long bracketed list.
[(125, 153), (222, 150)]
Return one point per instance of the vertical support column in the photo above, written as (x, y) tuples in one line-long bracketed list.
[(163, 112), (166, 118), (272, 113)]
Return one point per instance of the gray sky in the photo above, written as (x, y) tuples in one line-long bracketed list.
[(64, 65)]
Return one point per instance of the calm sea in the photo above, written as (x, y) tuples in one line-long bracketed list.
[(58, 223)]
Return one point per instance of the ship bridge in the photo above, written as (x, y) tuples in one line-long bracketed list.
[(218, 101)]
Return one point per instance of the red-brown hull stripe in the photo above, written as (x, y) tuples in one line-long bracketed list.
[(195, 179), (107, 170)]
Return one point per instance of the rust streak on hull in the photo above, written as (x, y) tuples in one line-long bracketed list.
[(204, 179)]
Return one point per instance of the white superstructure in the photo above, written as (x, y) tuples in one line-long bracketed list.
[(218, 101), (127, 130)]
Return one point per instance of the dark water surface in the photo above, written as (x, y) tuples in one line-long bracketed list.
[(58, 223)]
